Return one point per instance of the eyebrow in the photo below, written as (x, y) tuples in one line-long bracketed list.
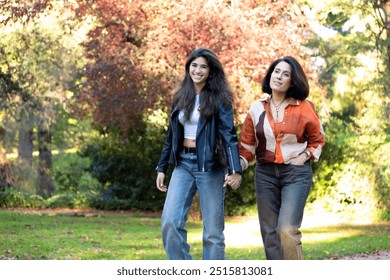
[(284, 71), (204, 64)]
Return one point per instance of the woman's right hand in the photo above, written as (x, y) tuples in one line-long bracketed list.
[(301, 159), (234, 181), (160, 182)]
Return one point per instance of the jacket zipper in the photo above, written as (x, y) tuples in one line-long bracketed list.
[(204, 150), (231, 159), (173, 142)]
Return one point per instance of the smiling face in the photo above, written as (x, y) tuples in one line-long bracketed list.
[(199, 72), (281, 78)]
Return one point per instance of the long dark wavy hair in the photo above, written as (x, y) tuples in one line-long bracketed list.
[(216, 90), (299, 85)]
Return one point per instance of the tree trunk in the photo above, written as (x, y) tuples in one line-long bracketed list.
[(387, 24), (45, 185), (25, 144), (6, 177)]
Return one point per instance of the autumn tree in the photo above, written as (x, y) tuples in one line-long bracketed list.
[(138, 49), (22, 11), (136, 52)]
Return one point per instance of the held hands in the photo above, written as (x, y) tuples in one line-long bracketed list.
[(160, 182), (233, 180)]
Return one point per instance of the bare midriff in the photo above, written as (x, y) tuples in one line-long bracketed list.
[(191, 143)]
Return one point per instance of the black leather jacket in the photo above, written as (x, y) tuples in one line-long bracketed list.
[(219, 126)]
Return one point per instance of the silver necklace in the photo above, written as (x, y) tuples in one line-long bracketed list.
[(277, 107)]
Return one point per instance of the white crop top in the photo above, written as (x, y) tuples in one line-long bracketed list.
[(191, 126)]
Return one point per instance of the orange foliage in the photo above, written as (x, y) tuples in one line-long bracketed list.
[(23, 11), (138, 49)]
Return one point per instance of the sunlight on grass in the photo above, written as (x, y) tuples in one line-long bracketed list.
[(246, 232), (326, 236), (318, 226), (239, 232), (29, 236)]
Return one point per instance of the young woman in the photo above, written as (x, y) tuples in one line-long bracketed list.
[(202, 144), (283, 133)]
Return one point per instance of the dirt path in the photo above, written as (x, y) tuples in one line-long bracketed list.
[(376, 255)]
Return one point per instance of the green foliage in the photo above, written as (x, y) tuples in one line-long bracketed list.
[(11, 197), (353, 176), (71, 200), (127, 170), (71, 174)]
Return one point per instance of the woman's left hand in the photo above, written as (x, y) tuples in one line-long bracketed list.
[(233, 180)]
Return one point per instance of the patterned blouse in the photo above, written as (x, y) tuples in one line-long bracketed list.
[(280, 142)]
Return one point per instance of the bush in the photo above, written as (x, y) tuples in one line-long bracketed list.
[(352, 176), (126, 169), (71, 174), (10, 198), (73, 201)]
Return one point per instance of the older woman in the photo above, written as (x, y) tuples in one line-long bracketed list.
[(283, 133)]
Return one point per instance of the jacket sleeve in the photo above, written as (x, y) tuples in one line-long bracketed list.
[(228, 135), (315, 133), (162, 165), (247, 145)]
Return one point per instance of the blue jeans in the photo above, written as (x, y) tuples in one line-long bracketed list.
[(281, 193), (186, 180)]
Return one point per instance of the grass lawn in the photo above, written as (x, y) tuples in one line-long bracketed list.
[(27, 236)]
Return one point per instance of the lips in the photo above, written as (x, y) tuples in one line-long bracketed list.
[(197, 78), (277, 83)]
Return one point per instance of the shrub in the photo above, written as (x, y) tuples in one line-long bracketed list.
[(71, 174), (126, 168), (11, 197), (72, 200)]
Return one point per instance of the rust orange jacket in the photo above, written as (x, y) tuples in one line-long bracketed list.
[(271, 142)]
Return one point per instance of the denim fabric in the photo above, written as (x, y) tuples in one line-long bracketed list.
[(281, 192), (186, 180)]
